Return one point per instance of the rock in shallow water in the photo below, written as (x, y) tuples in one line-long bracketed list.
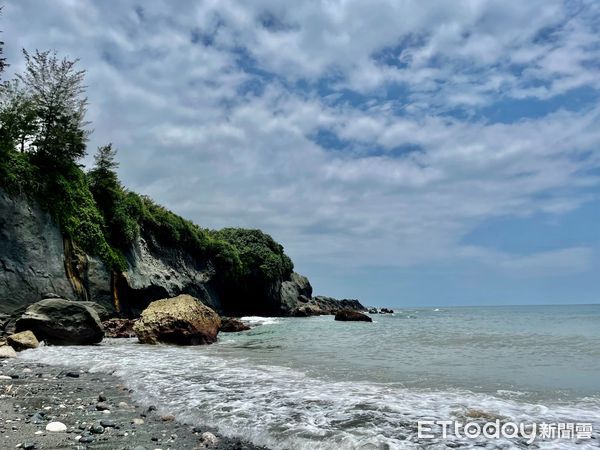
[(23, 340), (62, 322), (348, 315), (231, 325), (181, 320)]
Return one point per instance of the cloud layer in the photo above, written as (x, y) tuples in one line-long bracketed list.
[(358, 133)]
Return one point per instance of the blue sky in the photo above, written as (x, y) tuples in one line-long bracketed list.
[(403, 153)]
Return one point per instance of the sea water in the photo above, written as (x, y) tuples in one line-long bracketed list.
[(314, 383)]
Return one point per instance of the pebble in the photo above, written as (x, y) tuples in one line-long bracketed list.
[(108, 423), (167, 418), (209, 439), (37, 418), (86, 440), (138, 421), (72, 374), (5, 377), (102, 406), (56, 427), (97, 429), (101, 398)]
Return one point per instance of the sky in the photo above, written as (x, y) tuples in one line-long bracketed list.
[(403, 152)]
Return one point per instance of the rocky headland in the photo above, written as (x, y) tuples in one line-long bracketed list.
[(38, 261)]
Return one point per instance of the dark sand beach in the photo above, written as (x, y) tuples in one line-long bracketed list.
[(97, 410)]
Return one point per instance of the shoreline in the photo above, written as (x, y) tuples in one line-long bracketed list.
[(97, 409)]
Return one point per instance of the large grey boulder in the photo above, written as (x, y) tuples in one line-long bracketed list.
[(62, 322), (182, 320)]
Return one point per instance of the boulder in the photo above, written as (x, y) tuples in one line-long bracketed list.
[(353, 316), (373, 311), (6, 351), (23, 340), (231, 325), (62, 322), (102, 312), (119, 328), (386, 311), (181, 320), (307, 311)]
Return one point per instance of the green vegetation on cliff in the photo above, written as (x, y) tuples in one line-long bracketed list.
[(43, 135)]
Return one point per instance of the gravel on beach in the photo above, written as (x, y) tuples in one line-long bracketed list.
[(93, 410)]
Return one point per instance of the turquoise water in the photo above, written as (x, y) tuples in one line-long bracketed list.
[(310, 383), (542, 349)]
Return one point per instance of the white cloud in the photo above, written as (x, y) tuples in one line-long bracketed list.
[(194, 136)]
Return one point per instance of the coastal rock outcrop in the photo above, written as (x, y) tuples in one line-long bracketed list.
[(294, 293), (23, 340), (348, 315), (37, 261), (297, 300), (232, 325), (31, 254), (182, 320), (332, 306), (308, 310), (157, 271), (62, 322)]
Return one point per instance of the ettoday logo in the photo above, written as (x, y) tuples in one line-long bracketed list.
[(432, 429)]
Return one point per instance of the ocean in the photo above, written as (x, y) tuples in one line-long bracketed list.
[(314, 383)]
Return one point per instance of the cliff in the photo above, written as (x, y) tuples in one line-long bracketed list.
[(37, 260)]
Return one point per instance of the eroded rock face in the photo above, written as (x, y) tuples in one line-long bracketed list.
[(62, 322), (294, 293), (182, 320), (31, 254), (157, 272), (348, 315), (23, 341)]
